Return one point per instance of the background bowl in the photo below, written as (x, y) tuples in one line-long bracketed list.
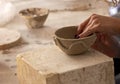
[(34, 17), (66, 41)]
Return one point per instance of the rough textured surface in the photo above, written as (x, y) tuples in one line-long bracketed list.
[(9, 38), (33, 39), (65, 39), (34, 17), (49, 65), (62, 5)]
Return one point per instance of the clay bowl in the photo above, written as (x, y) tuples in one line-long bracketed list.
[(34, 17), (65, 39)]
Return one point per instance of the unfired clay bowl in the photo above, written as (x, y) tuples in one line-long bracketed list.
[(34, 17), (66, 41)]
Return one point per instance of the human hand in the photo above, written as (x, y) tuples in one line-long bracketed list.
[(104, 27), (99, 24), (106, 44)]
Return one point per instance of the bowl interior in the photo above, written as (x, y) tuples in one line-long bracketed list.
[(34, 12), (65, 39), (66, 32)]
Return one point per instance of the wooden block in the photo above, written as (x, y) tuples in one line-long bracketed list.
[(49, 65)]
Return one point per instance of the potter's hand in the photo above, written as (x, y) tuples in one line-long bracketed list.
[(107, 45), (99, 24), (104, 27)]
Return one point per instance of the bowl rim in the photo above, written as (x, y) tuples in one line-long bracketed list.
[(20, 12), (93, 35)]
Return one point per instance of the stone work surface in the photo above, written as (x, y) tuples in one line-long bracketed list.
[(49, 65), (61, 14), (62, 5)]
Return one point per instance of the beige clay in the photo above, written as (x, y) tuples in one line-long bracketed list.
[(34, 17), (66, 41), (8, 38)]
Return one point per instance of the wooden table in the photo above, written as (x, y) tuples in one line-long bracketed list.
[(62, 14)]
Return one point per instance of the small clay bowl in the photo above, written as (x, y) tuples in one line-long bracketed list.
[(65, 39), (34, 17)]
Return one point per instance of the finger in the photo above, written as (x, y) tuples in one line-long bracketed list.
[(98, 36), (89, 21), (89, 30), (81, 27)]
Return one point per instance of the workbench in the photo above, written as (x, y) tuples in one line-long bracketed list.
[(61, 14)]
